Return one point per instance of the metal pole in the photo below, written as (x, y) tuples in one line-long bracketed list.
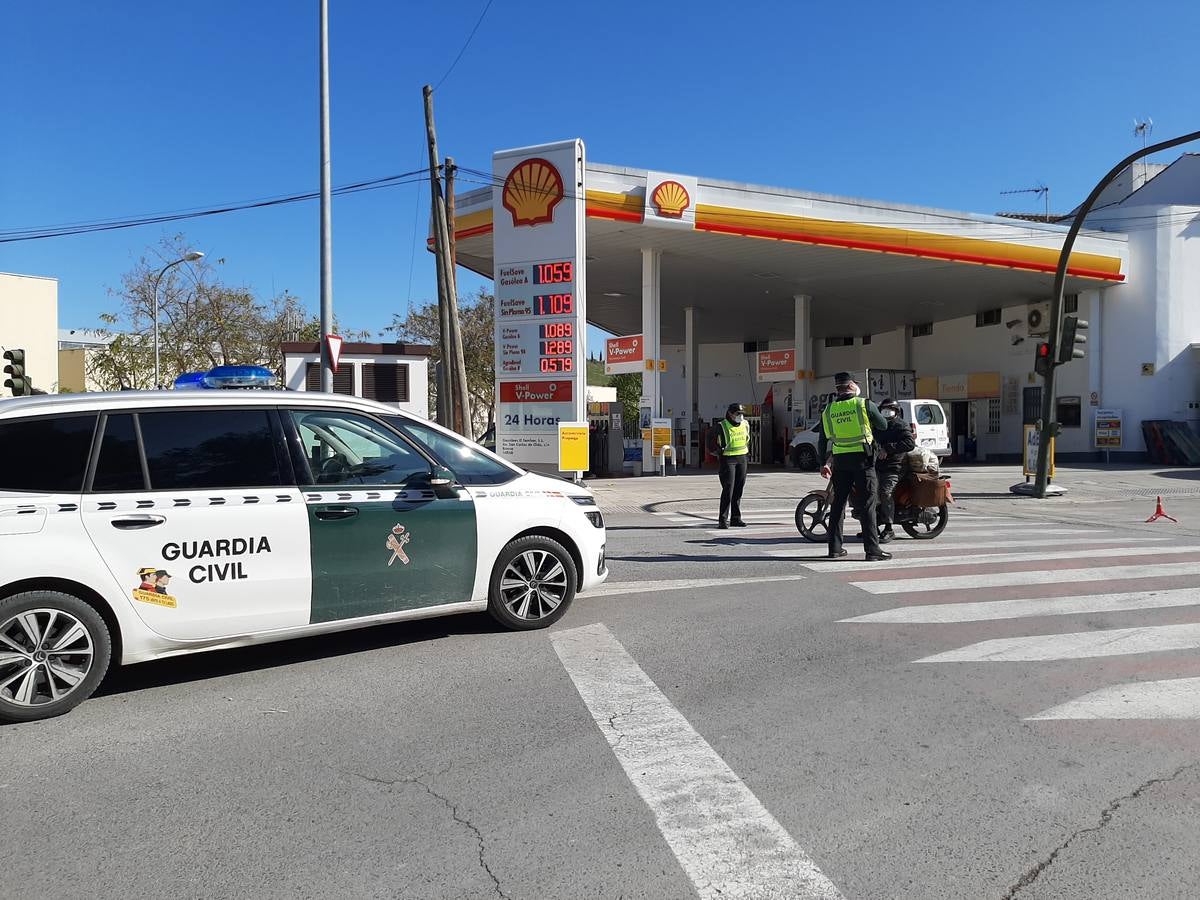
[(157, 282), (444, 275), (326, 213), (1060, 277)]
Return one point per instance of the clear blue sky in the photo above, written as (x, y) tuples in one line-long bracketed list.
[(111, 109)]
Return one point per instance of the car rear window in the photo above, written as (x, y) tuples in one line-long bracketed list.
[(45, 455), (930, 414)]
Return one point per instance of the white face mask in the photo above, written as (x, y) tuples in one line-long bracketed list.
[(737, 418), (889, 414), (855, 390)]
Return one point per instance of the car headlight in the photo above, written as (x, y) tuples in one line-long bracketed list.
[(595, 518), (583, 499)]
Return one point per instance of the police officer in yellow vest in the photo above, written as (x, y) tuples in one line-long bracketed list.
[(732, 444), (849, 424)]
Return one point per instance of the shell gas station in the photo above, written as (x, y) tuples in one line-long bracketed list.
[(721, 292)]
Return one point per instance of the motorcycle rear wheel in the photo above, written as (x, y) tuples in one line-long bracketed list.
[(927, 532), (812, 518)]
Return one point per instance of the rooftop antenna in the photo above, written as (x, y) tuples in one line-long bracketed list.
[(1143, 129), (1040, 189)]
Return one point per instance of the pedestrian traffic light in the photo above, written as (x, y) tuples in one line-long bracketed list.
[(1043, 362), (1067, 350), (17, 381)]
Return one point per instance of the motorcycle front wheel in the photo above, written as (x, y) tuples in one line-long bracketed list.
[(927, 531), (812, 518)]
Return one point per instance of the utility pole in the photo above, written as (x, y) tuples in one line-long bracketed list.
[(326, 214), (1056, 298), (462, 398), (456, 407)]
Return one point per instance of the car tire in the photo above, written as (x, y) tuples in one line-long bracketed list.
[(533, 583), (54, 651), (806, 457)]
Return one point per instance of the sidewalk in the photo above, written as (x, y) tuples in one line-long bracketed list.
[(1095, 493)]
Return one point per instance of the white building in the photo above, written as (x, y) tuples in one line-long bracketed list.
[(29, 322), (849, 284), (390, 373)]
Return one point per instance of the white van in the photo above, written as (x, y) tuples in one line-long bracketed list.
[(927, 421)]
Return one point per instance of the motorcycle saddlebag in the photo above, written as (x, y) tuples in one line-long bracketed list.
[(925, 490)]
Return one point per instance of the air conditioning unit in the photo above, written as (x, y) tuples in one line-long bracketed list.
[(1037, 319)]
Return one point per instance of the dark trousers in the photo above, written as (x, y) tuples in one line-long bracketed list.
[(857, 475), (888, 479), (733, 479)]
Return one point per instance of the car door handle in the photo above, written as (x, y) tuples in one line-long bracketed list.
[(332, 513), (133, 523)]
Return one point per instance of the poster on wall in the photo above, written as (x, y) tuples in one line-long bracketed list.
[(540, 291), (1108, 429), (776, 365)]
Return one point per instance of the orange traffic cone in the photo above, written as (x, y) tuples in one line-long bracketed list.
[(1160, 513)]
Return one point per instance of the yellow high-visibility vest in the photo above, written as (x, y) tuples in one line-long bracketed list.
[(847, 427), (737, 438)]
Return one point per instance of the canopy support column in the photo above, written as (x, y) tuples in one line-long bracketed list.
[(651, 321), (804, 360), (691, 361)]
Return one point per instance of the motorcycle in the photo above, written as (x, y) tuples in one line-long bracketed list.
[(923, 523)]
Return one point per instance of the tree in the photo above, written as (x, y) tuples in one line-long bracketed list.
[(202, 322), (629, 392), (477, 322)]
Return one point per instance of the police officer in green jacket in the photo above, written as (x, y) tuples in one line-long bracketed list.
[(849, 423), (732, 444)]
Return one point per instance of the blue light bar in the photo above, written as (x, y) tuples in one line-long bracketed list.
[(190, 381), (240, 377)]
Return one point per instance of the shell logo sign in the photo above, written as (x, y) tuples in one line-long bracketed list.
[(623, 354), (776, 365), (531, 191), (670, 199)]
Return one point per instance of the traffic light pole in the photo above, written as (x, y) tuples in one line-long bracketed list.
[(1056, 301)]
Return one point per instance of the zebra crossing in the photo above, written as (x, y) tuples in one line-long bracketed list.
[(986, 569)]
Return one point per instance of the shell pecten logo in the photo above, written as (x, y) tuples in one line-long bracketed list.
[(671, 199), (531, 191)]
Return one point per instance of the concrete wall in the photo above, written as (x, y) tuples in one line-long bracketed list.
[(29, 321)]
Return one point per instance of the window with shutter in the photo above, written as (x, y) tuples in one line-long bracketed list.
[(385, 382), (343, 379)]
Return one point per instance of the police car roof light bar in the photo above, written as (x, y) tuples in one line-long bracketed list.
[(240, 377)]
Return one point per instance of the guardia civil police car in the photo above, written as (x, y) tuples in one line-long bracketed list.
[(140, 525)]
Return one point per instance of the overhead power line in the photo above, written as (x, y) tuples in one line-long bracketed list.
[(465, 45)]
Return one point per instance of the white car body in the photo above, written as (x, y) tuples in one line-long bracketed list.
[(926, 420), (255, 583)]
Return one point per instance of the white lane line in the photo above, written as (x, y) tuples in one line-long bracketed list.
[(1076, 645), (727, 842), (965, 562), (1175, 698), (751, 531), (678, 584), (951, 549), (1012, 579), (989, 610)]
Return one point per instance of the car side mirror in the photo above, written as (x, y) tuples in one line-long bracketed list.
[(442, 481)]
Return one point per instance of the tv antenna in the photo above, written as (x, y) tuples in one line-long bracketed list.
[(1143, 128), (1040, 189)]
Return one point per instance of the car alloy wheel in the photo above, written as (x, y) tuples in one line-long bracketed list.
[(533, 584), (45, 655)]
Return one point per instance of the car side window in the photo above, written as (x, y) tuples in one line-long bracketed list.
[(928, 414), (466, 462), (343, 448), (210, 448), (119, 464), (47, 455)]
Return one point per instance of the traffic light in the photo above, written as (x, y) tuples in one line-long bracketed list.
[(17, 380), (1043, 362), (1067, 350)]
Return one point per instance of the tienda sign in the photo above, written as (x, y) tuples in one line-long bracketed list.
[(624, 354), (777, 365), (535, 391)]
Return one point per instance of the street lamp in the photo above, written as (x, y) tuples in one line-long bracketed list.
[(189, 256)]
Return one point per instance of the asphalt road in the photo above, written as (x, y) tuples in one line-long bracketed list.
[(722, 721)]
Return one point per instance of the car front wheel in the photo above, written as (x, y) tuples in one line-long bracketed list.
[(54, 650), (533, 583)]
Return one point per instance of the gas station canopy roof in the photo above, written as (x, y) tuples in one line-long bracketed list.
[(870, 267)]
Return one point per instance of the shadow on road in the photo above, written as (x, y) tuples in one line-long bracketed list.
[(217, 663)]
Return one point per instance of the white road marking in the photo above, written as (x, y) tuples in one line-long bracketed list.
[(1176, 698), (989, 610), (678, 584), (1076, 645), (982, 559), (727, 842), (807, 548), (1007, 579)]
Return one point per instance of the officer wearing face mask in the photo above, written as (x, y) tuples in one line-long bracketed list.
[(732, 440), (849, 424)]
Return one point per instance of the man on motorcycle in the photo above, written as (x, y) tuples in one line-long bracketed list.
[(893, 442)]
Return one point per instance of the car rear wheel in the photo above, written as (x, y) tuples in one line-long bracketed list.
[(532, 584), (54, 650), (806, 457)]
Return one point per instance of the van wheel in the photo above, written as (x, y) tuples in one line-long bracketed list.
[(532, 584), (54, 649)]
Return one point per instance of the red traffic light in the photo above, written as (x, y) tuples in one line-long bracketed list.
[(1043, 363)]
